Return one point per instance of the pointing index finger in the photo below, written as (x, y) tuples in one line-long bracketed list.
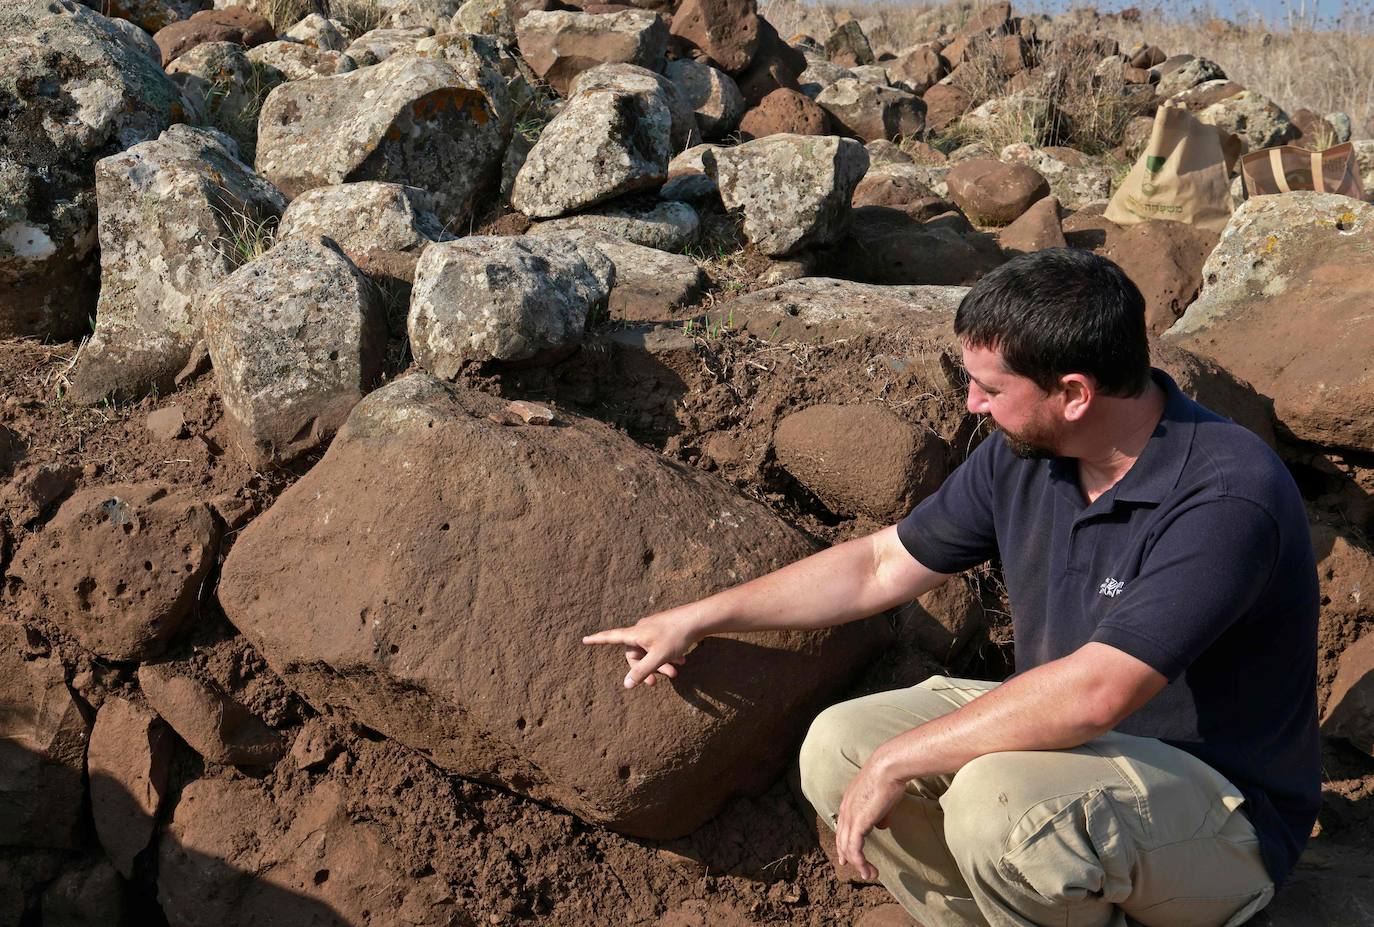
[(613, 636)]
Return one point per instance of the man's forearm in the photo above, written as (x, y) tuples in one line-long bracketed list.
[(836, 585), (1056, 706)]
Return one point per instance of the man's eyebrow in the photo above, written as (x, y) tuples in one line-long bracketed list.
[(981, 385)]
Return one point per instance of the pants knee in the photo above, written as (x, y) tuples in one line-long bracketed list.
[(979, 813), (826, 770)]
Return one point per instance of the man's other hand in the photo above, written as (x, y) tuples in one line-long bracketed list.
[(867, 802), (655, 646)]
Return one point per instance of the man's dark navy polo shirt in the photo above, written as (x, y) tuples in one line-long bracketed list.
[(1198, 562)]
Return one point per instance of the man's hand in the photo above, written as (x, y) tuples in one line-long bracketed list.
[(654, 646), (867, 802)]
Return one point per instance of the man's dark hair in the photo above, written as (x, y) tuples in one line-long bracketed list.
[(1060, 311)]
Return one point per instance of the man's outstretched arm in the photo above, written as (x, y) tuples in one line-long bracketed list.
[(842, 583)]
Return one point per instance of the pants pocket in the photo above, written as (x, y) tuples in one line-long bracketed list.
[(1079, 853)]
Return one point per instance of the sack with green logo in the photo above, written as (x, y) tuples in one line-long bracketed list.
[(1181, 176)]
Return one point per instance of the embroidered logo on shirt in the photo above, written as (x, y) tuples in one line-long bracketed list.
[(1111, 588)]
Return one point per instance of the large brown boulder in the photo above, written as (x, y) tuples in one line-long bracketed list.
[(945, 104), (1285, 305), (1036, 229), (725, 32), (1164, 260), (784, 112), (900, 246), (119, 567), (405, 620), (231, 24), (918, 69), (993, 192)]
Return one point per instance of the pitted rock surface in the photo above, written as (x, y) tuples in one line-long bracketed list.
[(667, 226), (603, 143), (561, 44), (382, 227), (793, 190), (503, 298), (437, 124), (392, 647), (1290, 269), (297, 338), (724, 32), (119, 567), (170, 210), (78, 89)]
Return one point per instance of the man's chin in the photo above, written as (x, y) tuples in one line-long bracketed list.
[(1026, 450)]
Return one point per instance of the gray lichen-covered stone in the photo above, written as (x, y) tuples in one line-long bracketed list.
[(297, 338), (283, 61), (411, 14), (139, 37), (440, 124), (1255, 119), (631, 78), (75, 89), (793, 190), (561, 44), (870, 111), (1187, 76), (603, 144), (667, 226), (380, 44), (219, 86), (170, 211), (382, 227), (820, 74), (712, 94), (821, 309), (499, 298), (319, 32), (649, 284)]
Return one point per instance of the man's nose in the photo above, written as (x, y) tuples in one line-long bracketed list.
[(977, 400)]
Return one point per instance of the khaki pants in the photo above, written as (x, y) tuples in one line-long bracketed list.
[(1121, 827)]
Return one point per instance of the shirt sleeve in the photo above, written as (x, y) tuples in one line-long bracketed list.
[(1207, 568), (953, 529)]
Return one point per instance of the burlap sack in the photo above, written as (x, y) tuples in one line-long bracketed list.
[(1286, 168), (1181, 176)]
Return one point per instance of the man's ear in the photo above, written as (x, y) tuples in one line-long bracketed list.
[(1079, 391)]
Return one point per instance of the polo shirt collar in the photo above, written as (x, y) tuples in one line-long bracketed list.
[(1158, 468)]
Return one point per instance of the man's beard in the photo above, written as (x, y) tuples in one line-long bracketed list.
[(1027, 445)]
